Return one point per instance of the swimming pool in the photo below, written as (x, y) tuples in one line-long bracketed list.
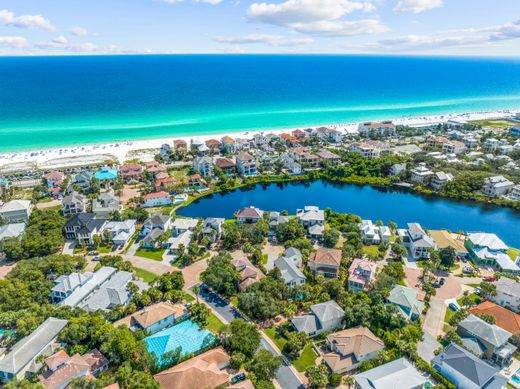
[(515, 378), (187, 335)]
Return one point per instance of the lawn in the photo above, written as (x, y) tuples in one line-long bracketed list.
[(278, 340), (154, 254), (492, 123), (306, 359), (473, 297), (214, 323), (449, 314), (513, 253), (188, 297), (146, 275), (371, 251), (103, 249)]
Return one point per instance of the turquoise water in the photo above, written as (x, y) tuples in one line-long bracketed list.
[(187, 335), (367, 202), (60, 101)]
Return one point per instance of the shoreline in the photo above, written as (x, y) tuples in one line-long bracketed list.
[(121, 151)]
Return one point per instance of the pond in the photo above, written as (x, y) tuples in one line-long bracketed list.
[(368, 202)]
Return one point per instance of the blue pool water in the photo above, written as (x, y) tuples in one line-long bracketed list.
[(187, 335), (515, 378), (6, 332)]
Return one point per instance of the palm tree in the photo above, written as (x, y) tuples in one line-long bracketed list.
[(349, 381), (196, 290)]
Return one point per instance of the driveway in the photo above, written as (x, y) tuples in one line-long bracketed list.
[(286, 377), (6, 267), (427, 346), (450, 289), (192, 273), (68, 247), (155, 267)]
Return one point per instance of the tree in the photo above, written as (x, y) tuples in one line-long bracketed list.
[(129, 378), (196, 290), (487, 289), (199, 313), (265, 365), (240, 336), (447, 256), (318, 376), (221, 275), (349, 380), (296, 341), (289, 231), (487, 318), (335, 379), (398, 250), (330, 237), (237, 360)]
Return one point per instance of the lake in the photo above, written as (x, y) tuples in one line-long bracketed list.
[(368, 202)]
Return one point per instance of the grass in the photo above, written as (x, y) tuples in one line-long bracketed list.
[(448, 316), (234, 301), (214, 323), (493, 123), (371, 251), (146, 275), (473, 297), (155, 254), (104, 249), (513, 253), (44, 200), (306, 359), (446, 328), (188, 297), (278, 340)]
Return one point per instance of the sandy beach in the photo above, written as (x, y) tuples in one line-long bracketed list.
[(145, 149)]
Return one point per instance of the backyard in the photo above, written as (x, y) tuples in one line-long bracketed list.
[(307, 356)]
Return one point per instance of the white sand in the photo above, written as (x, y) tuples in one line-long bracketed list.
[(121, 151)]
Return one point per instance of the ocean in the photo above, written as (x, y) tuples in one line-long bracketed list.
[(63, 101)]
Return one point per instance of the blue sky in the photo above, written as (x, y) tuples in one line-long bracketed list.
[(448, 27)]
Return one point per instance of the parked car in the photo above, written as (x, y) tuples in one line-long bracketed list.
[(96, 258), (477, 291), (453, 307), (238, 377), (467, 269), (489, 279), (442, 281)]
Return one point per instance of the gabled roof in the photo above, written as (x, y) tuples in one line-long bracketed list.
[(509, 286), (398, 374), (11, 230), (15, 205), (482, 330), (469, 366), (32, 345), (156, 195), (492, 241)]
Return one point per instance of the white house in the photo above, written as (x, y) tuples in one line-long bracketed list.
[(181, 225), (440, 179), (421, 174), (324, 317), (157, 199), (16, 211), (373, 234), (203, 165), (508, 294), (497, 186), (121, 232), (417, 241), (384, 128)]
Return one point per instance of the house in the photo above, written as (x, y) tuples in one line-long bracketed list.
[(229, 146), (13, 230), (417, 241), (491, 144), (467, 371), (497, 186), (23, 358), (290, 164), (120, 232), (385, 128), (180, 146), (486, 341), (203, 165), (397, 169), (310, 216), (421, 174), (178, 243), (62, 369), (212, 228), (399, 373), (347, 349), (82, 180), (275, 218), (515, 131), (360, 274), (227, 165), (131, 172), (66, 284), (105, 204), (198, 147), (154, 318), (74, 203), (182, 225), (370, 148), (405, 299), (82, 227), (165, 151), (329, 134), (289, 266), (213, 145), (304, 158), (156, 221), (246, 164), (16, 211), (207, 370), (446, 239), (156, 199), (327, 155), (104, 290), (372, 234), (248, 273), (454, 147), (508, 294), (435, 142), (155, 167), (325, 262), (440, 179), (323, 317), (54, 179), (249, 215), (515, 193), (505, 319), (488, 250)]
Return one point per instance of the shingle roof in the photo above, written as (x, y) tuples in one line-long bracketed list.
[(468, 365), (485, 331), (392, 375)]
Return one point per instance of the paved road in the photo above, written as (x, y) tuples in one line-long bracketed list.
[(286, 377)]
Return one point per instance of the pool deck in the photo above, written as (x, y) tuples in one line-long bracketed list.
[(510, 371)]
